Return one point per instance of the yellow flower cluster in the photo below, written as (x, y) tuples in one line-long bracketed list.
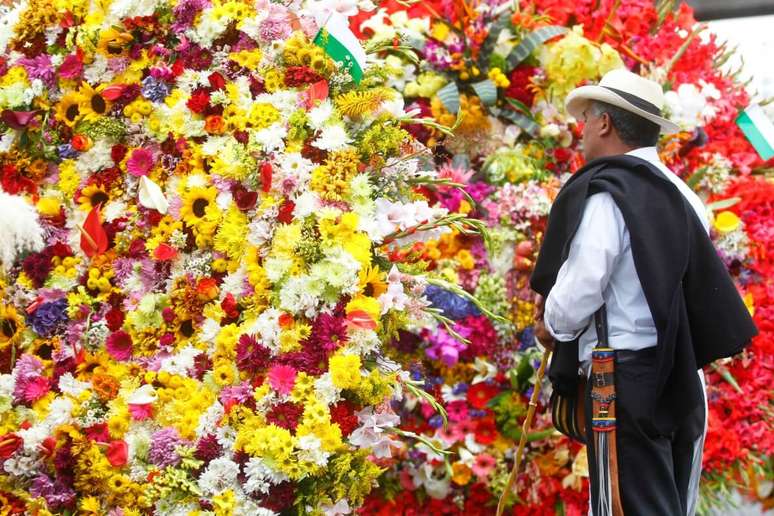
[(573, 59)]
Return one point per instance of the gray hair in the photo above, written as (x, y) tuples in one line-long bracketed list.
[(632, 129)]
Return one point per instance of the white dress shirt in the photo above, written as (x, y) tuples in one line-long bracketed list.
[(600, 269)]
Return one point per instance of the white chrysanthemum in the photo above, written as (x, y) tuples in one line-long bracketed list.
[(261, 477), (96, 158), (68, 384), (98, 71), (319, 115), (306, 204), (19, 229), (221, 474), (310, 450), (270, 139), (208, 29), (267, 327), (209, 419), (325, 391), (300, 295), (181, 362), (332, 138)]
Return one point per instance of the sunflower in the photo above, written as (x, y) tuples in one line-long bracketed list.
[(69, 108), (93, 104), (372, 281), (114, 43), (11, 325), (93, 195), (198, 204)]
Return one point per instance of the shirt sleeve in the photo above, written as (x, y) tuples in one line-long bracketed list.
[(583, 277)]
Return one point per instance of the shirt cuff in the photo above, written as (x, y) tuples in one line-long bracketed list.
[(550, 314)]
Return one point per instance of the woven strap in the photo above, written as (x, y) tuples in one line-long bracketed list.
[(603, 400)]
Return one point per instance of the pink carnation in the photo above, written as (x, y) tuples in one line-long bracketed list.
[(282, 378), (140, 162)]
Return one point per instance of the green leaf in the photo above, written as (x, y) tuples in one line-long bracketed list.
[(521, 107), (528, 124), (723, 204), (449, 96), (486, 91), (531, 42)]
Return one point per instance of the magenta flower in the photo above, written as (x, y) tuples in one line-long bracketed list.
[(140, 162), (483, 465), (282, 378), (119, 345)]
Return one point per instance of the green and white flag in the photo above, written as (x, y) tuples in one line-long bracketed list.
[(759, 129), (342, 45)]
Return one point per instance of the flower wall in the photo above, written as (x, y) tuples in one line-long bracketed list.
[(204, 219)]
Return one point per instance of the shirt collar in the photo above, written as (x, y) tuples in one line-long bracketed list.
[(647, 153)]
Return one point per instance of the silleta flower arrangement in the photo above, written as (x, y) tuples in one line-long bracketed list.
[(507, 67), (204, 222)]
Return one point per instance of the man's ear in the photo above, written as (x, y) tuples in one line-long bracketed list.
[(605, 125)]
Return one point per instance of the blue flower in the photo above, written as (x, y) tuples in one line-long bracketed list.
[(48, 317), (451, 305)]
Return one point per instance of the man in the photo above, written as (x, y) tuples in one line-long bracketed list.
[(627, 234)]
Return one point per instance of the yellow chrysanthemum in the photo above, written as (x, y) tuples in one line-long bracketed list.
[(345, 371)]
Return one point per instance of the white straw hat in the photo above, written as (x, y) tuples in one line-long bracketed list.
[(625, 90)]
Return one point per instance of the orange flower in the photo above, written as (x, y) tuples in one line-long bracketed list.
[(81, 142), (207, 289), (214, 124)]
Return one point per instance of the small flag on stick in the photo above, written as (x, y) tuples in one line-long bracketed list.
[(342, 45), (759, 129)]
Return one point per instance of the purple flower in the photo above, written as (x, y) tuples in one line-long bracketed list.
[(185, 13), (162, 451), (154, 89), (39, 67), (66, 151), (58, 495), (48, 317)]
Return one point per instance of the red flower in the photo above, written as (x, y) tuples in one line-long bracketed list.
[(519, 88), (9, 443), (117, 453), (485, 431), (217, 82), (199, 101), (343, 414), (480, 393)]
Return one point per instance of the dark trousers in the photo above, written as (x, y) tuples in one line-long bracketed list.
[(654, 471)]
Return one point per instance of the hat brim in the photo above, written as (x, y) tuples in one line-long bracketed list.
[(579, 99)]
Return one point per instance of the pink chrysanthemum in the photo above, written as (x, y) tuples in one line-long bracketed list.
[(35, 388), (282, 378)]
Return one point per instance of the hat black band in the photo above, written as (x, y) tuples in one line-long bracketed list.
[(636, 101)]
